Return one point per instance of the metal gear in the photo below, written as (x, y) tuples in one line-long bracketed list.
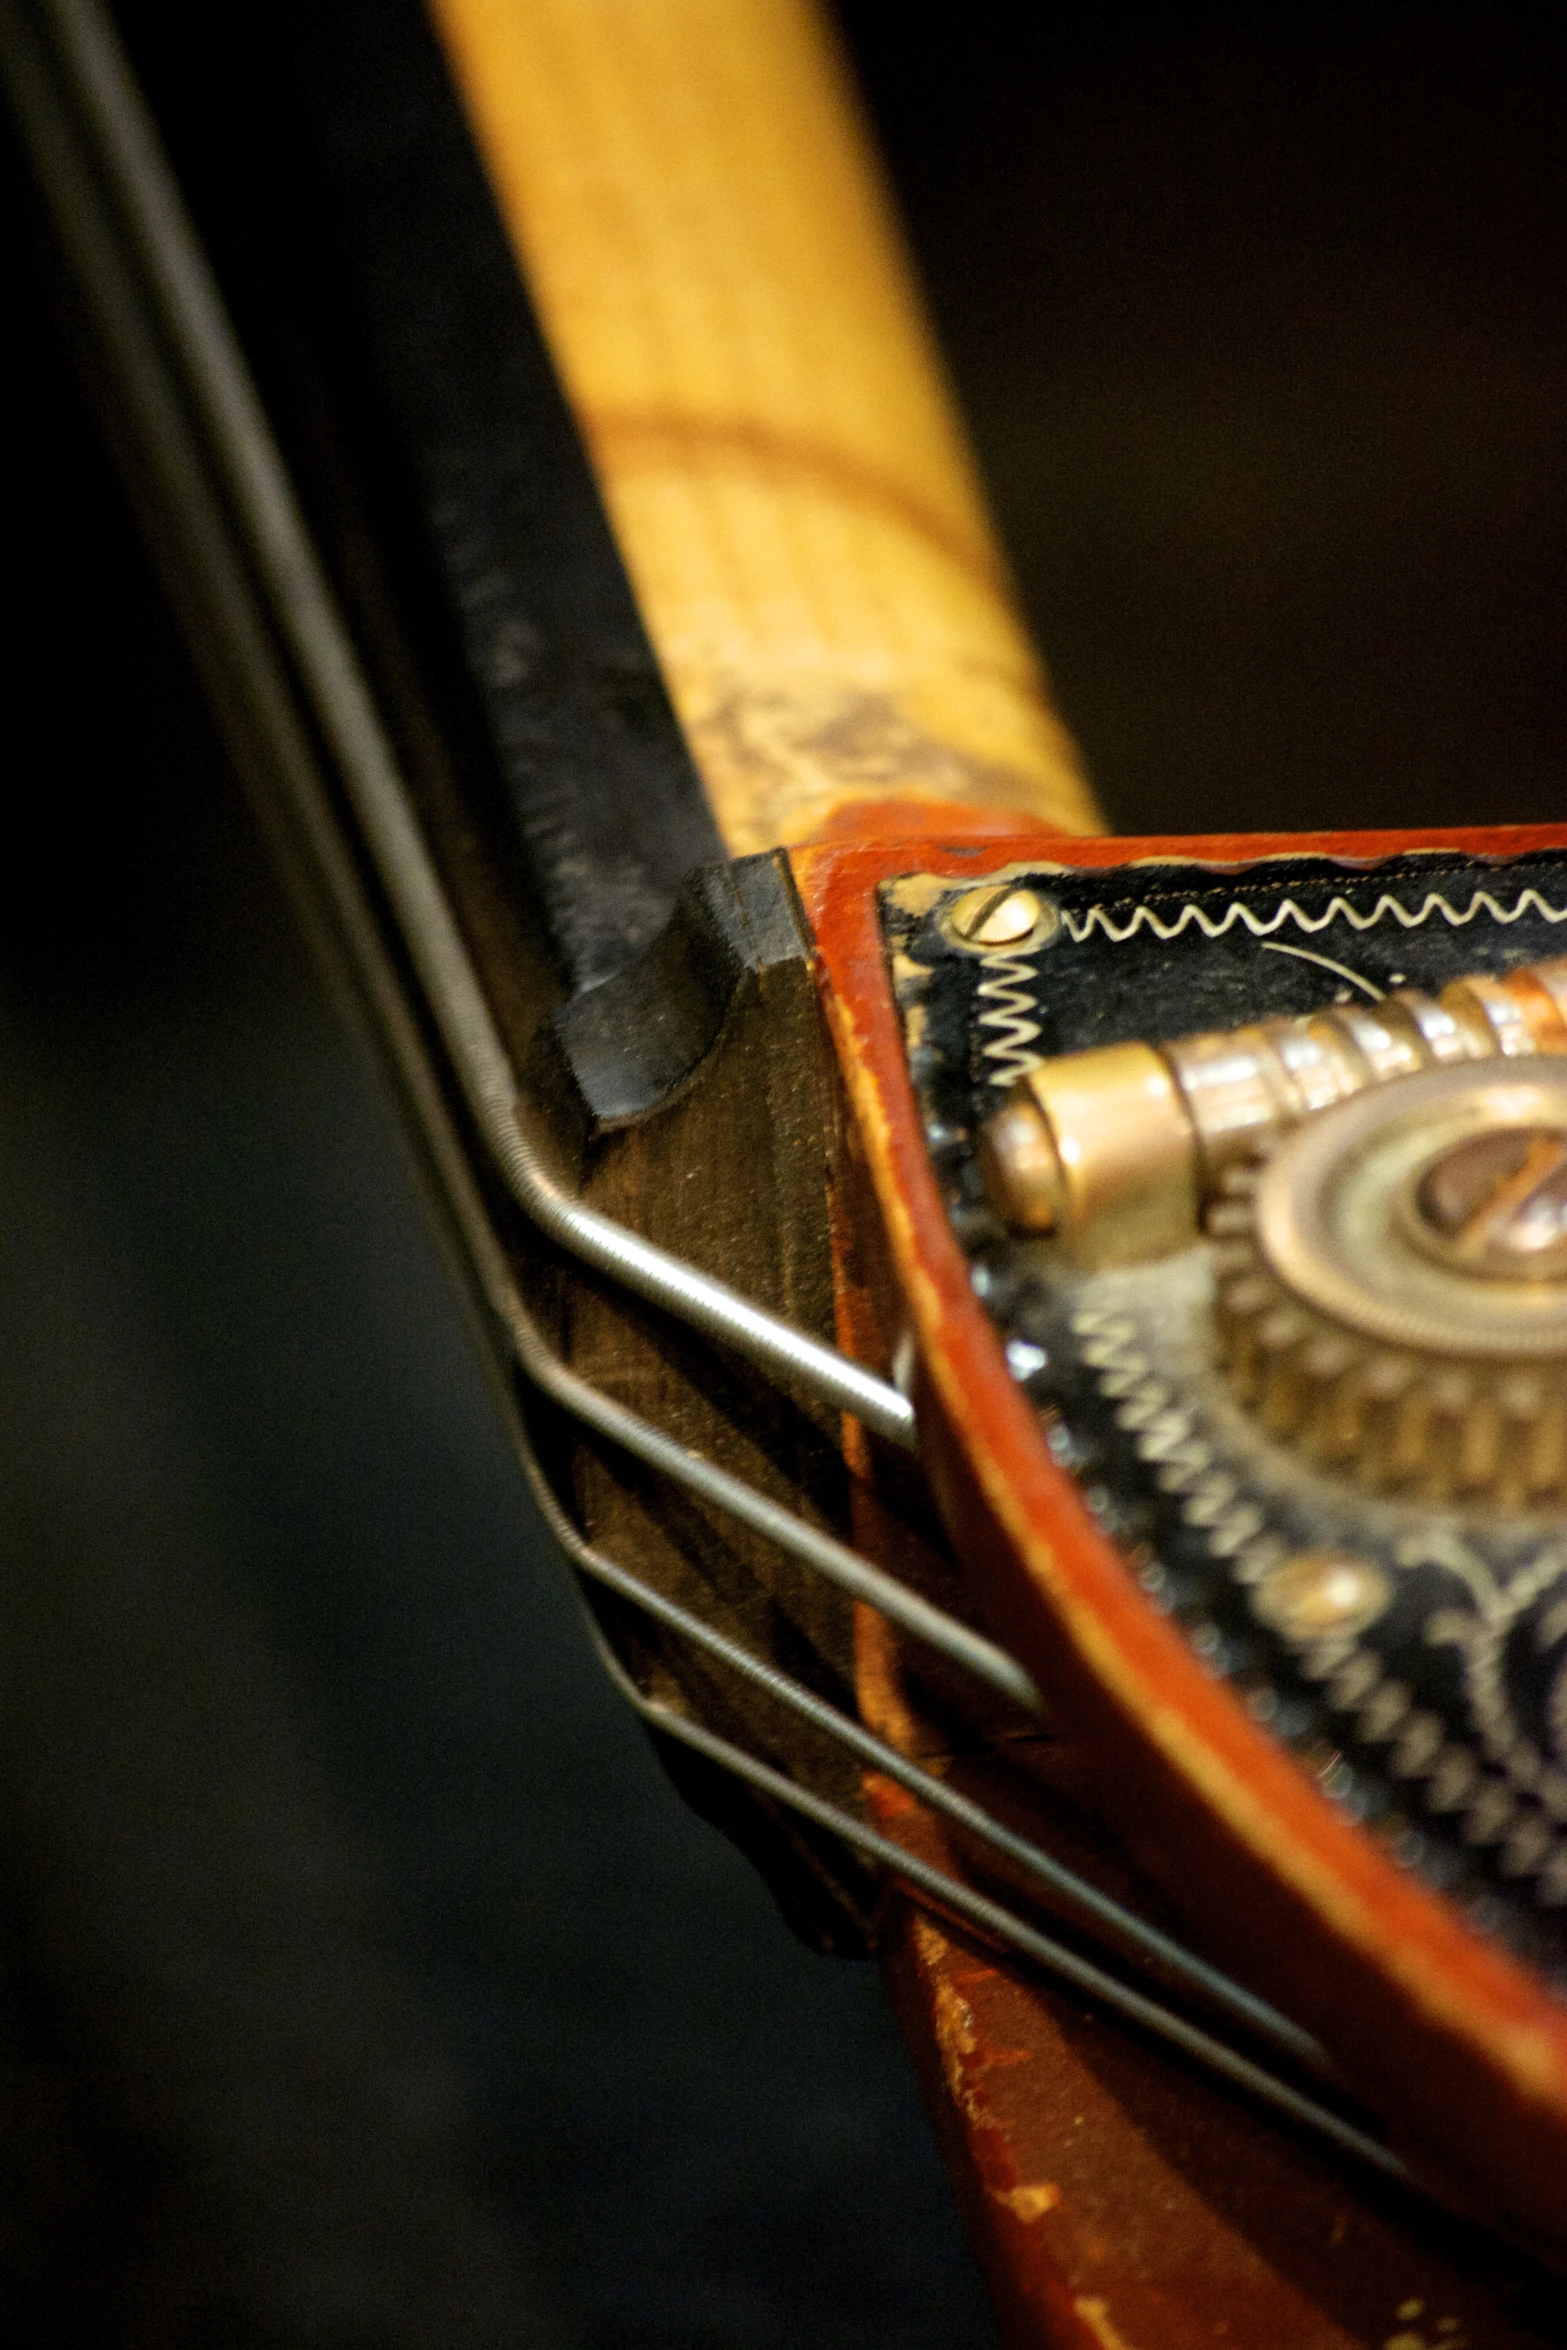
[(1391, 1286)]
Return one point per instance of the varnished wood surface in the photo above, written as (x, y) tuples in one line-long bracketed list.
[(716, 268), (1118, 2197), (731, 1173)]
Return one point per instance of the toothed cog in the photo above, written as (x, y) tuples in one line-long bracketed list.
[(1391, 1286)]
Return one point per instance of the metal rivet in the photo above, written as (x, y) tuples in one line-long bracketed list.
[(1318, 1594)]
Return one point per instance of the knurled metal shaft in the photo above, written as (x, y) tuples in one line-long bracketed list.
[(1117, 1150)]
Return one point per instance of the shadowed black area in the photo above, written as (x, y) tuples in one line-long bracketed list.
[(362, 1981), (1260, 321), (324, 157)]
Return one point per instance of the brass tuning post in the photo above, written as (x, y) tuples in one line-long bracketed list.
[(1118, 1151)]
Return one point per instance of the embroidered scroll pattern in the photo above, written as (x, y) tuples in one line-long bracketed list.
[(1519, 1805)]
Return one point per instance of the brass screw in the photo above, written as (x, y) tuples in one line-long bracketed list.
[(997, 915), (1496, 1203)]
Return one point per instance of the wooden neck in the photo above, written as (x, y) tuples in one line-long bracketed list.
[(713, 256)]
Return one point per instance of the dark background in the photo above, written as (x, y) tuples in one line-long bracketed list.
[(1260, 319), (363, 1983)]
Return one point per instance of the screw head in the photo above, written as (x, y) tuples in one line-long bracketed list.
[(996, 914), (1496, 1203)]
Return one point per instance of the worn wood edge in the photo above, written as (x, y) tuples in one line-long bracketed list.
[(718, 272), (1112, 2193), (1467, 2046)]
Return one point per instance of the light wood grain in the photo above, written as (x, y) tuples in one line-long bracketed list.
[(722, 283)]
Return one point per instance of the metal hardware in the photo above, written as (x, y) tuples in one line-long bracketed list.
[(1118, 1149), (833, 1561), (1098, 1146), (996, 915), (1145, 1945), (1495, 1205), (1322, 1595), (1053, 1957), (95, 138), (1425, 1720), (1389, 1285)]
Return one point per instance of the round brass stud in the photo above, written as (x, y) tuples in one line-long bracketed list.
[(996, 916), (1322, 1595)]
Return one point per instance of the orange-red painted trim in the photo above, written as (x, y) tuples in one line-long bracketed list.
[(1465, 2044)]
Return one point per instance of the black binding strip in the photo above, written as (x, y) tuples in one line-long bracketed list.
[(322, 149)]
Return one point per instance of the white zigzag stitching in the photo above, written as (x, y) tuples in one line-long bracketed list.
[(1082, 926), (1006, 988)]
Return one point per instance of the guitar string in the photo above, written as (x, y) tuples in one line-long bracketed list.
[(1054, 1958)]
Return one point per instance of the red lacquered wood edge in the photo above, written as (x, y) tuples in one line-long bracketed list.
[(1464, 2045)]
